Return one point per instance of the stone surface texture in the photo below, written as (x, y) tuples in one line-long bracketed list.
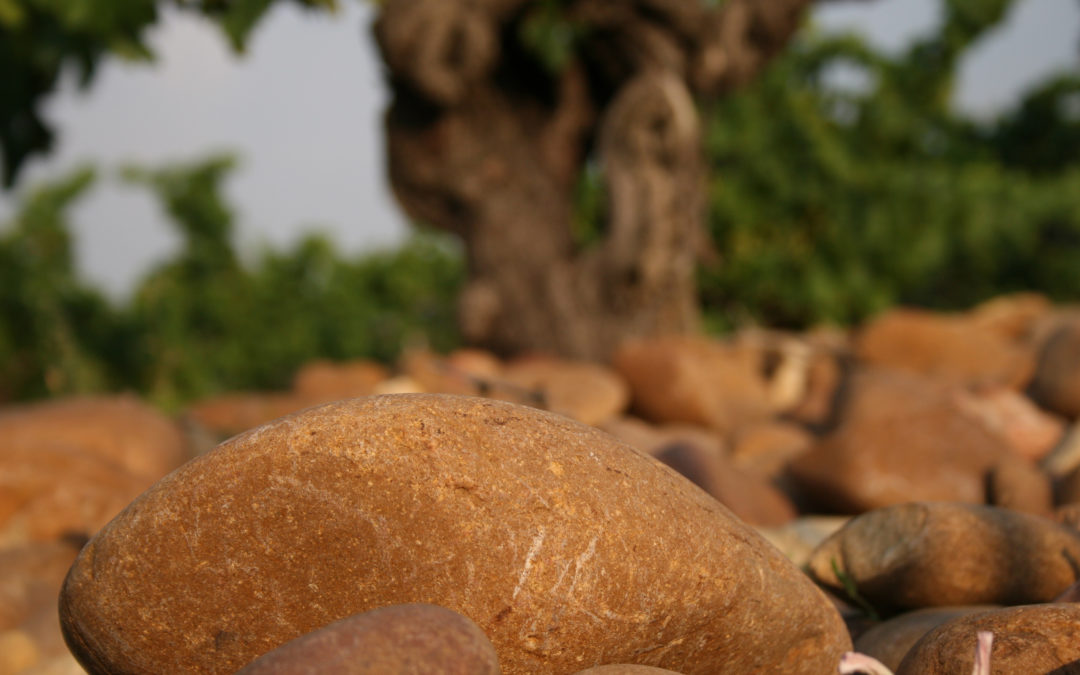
[(937, 554), (418, 639), (567, 547), (889, 641), (1027, 640)]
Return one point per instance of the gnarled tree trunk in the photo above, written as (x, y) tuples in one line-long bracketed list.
[(486, 143)]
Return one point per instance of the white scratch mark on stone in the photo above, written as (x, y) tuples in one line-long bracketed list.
[(537, 542)]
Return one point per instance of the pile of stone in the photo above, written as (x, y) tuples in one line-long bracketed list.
[(764, 503)]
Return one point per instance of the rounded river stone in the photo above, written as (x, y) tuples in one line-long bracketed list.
[(568, 548)]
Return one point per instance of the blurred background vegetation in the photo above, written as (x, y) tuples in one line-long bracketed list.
[(831, 198)]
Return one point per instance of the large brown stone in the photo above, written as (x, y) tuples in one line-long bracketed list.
[(51, 491), (693, 380), (905, 438), (30, 576), (231, 413), (938, 554), (121, 430), (1031, 432), (1011, 316), (749, 496), (947, 347), (765, 449), (417, 638), (568, 548), (889, 641), (322, 381), (1027, 640), (626, 669), (1056, 385), (587, 392)]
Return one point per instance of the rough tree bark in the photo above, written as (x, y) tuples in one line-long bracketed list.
[(486, 143)]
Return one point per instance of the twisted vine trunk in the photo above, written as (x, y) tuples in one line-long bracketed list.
[(486, 143)]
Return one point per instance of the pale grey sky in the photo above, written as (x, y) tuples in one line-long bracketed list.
[(303, 111)]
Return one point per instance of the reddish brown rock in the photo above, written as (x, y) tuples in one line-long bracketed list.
[(587, 392), (938, 554), (30, 576), (1017, 485), (889, 641), (1068, 515), (750, 497), (322, 381), (416, 638), (1029, 639), (565, 546), (232, 413), (436, 374), (651, 438), (904, 438), (1067, 489), (693, 380), (1011, 316), (121, 430), (1029, 431), (1070, 594), (1056, 385), (947, 347), (50, 491), (626, 669), (765, 449)]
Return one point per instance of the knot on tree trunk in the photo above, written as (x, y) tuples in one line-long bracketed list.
[(488, 140)]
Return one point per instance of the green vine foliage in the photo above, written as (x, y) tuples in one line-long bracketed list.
[(206, 320), (828, 203)]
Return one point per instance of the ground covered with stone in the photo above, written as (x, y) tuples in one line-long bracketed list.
[(764, 503)]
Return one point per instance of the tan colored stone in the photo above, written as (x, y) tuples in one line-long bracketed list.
[(1028, 639), (937, 554), (17, 652), (121, 430), (564, 545), (889, 641), (587, 392), (58, 665), (418, 639), (322, 381), (947, 347), (693, 380)]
